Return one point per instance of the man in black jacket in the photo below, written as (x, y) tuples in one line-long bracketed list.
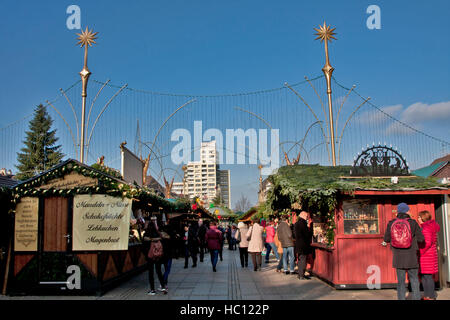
[(193, 242), (303, 231), (405, 260), (201, 236)]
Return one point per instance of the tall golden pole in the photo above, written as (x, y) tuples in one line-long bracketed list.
[(326, 33), (85, 39)]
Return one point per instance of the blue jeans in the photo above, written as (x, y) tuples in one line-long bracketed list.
[(214, 257), (413, 275), (280, 263), (270, 246), (288, 253), (167, 267)]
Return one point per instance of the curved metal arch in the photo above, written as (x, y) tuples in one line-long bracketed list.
[(345, 125), (148, 159), (258, 117), (68, 127), (321, 102), (342, 104), (304, 138), (100, 114), (315, 116), (93, 102)]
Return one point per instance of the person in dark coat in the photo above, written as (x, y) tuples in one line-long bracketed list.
[(168, 240), (406, 260), (201, 237), (152, 234), (286, 239), (214, 241), (193, 242), (303, 231)]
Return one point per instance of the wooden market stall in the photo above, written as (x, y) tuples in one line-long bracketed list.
[(350, 217), (73, 231), (361, 219)]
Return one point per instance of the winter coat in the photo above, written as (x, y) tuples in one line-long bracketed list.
[(213, 238), (256, 243), (303, 237), (406, 258), (428, 249), (193, 240), (270, 234), (202, 233), (242, 230), (168, 240), (284, 233)]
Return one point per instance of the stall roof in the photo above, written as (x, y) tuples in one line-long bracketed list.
[(248, 215), (74, 162), (315, 177), (429, 170), (7, 181)]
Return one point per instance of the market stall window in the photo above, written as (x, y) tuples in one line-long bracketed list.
[(319, 235), (360, 217)]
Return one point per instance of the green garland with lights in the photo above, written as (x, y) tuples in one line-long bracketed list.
[(315, 188), (106, 185)]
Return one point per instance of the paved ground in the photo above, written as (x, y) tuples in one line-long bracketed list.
[(232, 282)]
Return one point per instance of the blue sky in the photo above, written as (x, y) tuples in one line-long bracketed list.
[(213, 47)]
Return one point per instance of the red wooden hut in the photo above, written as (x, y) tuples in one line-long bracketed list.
[(350, 218), (357, 257)]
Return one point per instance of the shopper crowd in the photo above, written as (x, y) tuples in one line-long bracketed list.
[(413, 246)]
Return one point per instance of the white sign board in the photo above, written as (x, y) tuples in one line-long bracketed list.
[(100, 222)]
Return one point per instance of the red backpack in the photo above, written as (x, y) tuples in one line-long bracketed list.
[(401, 235)]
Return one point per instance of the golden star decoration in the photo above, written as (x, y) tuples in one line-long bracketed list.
[(86, 38), (325, 33)]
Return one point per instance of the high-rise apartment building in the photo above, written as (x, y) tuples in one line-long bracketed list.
[(224, 187), (203, 178)]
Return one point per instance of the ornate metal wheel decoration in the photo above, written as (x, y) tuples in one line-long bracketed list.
[(380, 161)]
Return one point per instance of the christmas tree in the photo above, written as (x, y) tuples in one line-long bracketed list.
[(40, 152)]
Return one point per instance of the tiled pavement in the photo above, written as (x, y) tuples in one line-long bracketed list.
[(232, 282)]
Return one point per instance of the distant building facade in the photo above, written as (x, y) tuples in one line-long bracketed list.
[(203, 178)]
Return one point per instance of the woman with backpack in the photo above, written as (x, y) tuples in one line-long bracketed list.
[(404, 235), (152, 242), (428, 254)]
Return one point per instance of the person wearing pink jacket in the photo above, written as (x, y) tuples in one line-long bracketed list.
[(270, 245), (428, 254)]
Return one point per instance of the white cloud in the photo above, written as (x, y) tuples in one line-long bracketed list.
[(421, 112), (373, 115), (420, 115)]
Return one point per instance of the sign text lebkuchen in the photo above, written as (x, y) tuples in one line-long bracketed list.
[(100, 222)]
